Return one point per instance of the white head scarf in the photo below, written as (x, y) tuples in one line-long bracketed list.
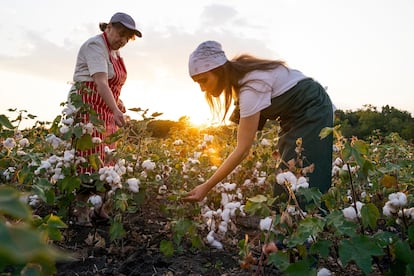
[(206, 57)]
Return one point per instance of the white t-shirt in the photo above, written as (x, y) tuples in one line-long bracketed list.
[(260, 87), (93, 57)]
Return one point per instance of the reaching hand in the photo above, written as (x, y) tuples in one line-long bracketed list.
[(119, 118), (197, 194), (121, 106)]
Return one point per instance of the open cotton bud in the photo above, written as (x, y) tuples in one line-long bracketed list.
[(398, 199), (213, 242), (389, 209), (324, 272), (266, 224), (96, 201), (162, 189), (133, 185)]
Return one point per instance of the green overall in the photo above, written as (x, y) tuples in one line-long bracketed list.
[(303, 111)]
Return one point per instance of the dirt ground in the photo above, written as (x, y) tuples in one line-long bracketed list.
[(138, 252)]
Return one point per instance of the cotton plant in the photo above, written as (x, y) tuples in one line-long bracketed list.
[(395, 207), (353, 212), (219, 221)]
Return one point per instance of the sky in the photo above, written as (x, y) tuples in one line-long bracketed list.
[(361, 50)]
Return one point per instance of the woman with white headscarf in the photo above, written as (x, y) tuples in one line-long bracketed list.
[(265, 90)]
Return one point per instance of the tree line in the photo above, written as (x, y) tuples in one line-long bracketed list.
[(361, 123)]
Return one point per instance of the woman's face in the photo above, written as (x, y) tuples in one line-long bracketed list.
[(117, 37), (209, 83)]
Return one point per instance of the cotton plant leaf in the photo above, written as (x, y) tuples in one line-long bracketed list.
[(360, 249)]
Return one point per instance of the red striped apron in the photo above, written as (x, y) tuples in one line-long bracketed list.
[(97, 103)]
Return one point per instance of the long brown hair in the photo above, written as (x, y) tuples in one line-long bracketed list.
[(230, 74)]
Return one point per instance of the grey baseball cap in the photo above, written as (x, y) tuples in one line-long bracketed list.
[(125, 20)]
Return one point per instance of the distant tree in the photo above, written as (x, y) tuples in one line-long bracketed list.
[(367, 120)]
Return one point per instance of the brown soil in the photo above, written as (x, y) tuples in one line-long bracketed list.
[(138, 253)]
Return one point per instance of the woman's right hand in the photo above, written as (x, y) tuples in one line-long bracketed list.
[(119, 118), (197, 194)]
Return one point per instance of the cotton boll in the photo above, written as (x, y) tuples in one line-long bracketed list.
[(261, 180), (291, 177), (232, 205), (96, 201), (388, 209), (265, 224), (280, 178), (349, 213), (398, 199), (224, 199), (210, 237), (230, 186), (217, 245), (133, 185), (162, 189), (223, 227), (324, 272), (225, 216)]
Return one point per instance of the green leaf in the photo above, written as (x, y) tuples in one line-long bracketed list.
[(69, 183), (370, 215), (321, 247), (403, 252), (116, 230), (360, 249), (258, 199), (411, 233), (312, 194), (279, 259), (325, 132), (344, 227), (11, 205), (4, 121), (308, 227), (55, 222), (301, 268), (167, 248), (84, 142), (20, 244)]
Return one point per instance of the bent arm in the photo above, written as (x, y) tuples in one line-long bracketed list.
[(245, 136), (103, 89)]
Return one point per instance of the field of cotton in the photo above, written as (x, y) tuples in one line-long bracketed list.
[(364, 225)]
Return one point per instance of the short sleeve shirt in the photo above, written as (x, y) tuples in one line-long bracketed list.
[(93, 57), (260, 87)]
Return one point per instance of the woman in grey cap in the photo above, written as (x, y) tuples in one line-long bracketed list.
[(100, 69), (265, 89), (99, 76)]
